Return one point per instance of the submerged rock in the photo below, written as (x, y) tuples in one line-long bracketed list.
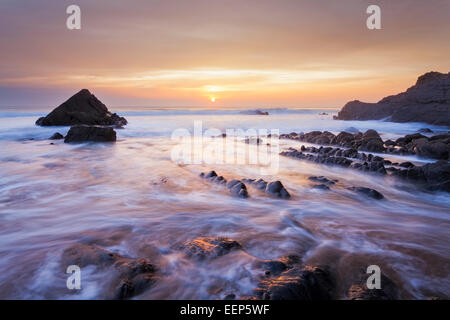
[(81, 108), (210, 247), (322, 179), (321, 186), (132, 276), (372, 193), (90, 133)]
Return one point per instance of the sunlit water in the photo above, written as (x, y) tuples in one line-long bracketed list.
[(131, 198)]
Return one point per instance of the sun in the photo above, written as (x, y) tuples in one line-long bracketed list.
[(213, 99)]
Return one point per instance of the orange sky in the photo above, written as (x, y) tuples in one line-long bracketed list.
[(243, 53)]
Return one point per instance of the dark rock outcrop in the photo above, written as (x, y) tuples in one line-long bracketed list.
[(360, 291), (237, 188), (322, 179), (372, 193), (427, 101), (277, 189), (209, 247), (297, 283), (132, 276), (321, 186), (255, 112), (433, 176), (90, 133), (435, 147), (274, 188), (56, 136), (82, 108)]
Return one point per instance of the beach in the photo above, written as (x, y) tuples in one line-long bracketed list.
[(131, 198)]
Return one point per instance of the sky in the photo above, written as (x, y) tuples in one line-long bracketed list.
[(259, 53)]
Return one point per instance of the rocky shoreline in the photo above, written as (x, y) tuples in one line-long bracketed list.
[(286, 278), (432, 177), (427, 101), (89, 118)]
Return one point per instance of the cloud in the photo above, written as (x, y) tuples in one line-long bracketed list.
[(152, 48)]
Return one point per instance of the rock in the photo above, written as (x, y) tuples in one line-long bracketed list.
[(56, 136), (406, 164), (237, 188), (432, 149), (83, 255), (433, 176), (81, 108), (371, 141), (255, 112), (253, 140), (210, 247), (90, 133), (322, 179), (277, 189), (321, 186), (427, 101), (372, 193), (389, 143), (307, 283), (136, 276), (343, 139), (425, 130), (133, 276), (260, 184), (360, 291), (210, 174)]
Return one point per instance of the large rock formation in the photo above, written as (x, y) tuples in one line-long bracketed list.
[(427, 101), (81, 108), (90, 133)]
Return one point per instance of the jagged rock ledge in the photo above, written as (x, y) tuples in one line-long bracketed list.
[(435, 147), (432, 176), (427, 101)]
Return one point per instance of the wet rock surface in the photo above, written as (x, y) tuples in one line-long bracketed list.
[(239, 189), (427, 101), (371, 193), (322, 179), (131, 276), (81, 108), (78, 134), (360, 291), (435, 147), (209, 247), (432, 176), (297, 283)]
